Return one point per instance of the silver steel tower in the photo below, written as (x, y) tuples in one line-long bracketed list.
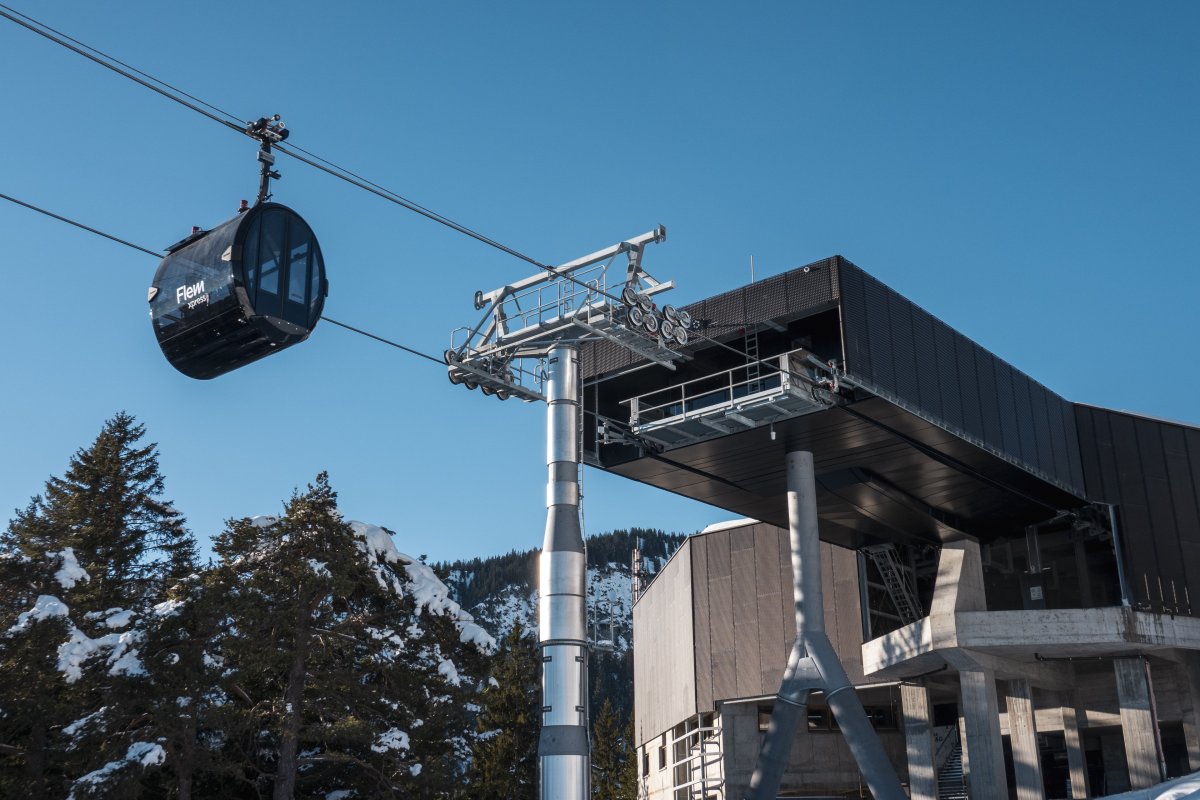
[(541, 320), (563, 750)]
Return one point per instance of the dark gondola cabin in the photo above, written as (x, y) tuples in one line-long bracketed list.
[(245, 289)]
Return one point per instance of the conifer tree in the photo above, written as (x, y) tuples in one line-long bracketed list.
[(504, 761), (80, 566), (614, 767), (344, 671)]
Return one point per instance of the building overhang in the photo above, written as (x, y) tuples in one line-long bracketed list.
[(1031, 644)]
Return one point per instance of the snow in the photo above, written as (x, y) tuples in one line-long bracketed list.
[(340, 794), (319, 567), (262, 521), (70, 573), (148, 754), (415, 769), (391, 739), (732, 523), (47, 606), (79, 724), (168, 608), (120, 619), (450, 672), (423, 584), (1185, 788), (123, 660)]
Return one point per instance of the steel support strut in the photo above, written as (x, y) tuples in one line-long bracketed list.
[(813, 663), (564, 747)]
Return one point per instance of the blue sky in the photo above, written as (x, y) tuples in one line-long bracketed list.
[(1026, 171)]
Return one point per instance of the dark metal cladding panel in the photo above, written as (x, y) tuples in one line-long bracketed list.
[(879, 327), (1006, 402), (948, 388), (1071, 436), (904, 354), (767, 299), (1025, 425), (814, 287), (1089, 452), (701, 624), (968, 387), (1135, 513), (1171, 584), (929, 381), (1055, 438), (989, 397), (1188, 489), (857, 339)]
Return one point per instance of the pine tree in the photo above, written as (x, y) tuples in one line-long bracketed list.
[(614, 766), (81, 566), (504, 762), (343, 659)]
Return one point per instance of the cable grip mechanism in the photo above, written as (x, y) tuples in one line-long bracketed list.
[(267, 131)]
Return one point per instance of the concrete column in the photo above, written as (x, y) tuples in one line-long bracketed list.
[(983, 750), (918, 735), (1076, 760), (959, 585), (1022, 733), (1189, 672), (1143, 747)]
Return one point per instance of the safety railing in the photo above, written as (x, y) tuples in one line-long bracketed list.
[(733, 385)]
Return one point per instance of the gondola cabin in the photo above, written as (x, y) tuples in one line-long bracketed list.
[(249, 287)]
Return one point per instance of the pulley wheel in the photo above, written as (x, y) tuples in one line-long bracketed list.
[(635, 316), (670, 313), (681, 335), (645, 302), (683, 318), (488, 390), (650, 323), (630, 296), (667, 329)]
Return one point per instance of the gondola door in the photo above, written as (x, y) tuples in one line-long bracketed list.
[(299, 269)]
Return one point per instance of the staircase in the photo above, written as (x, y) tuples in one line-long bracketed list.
[(898, 586), (951, 785)]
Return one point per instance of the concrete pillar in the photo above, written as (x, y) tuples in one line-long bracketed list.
[(1022, 734), (1189, 672), (1143, 747), (959, 585), (983, 750), (918, 736), (1076, 760)]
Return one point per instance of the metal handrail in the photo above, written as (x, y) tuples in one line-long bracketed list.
[(727, 389)]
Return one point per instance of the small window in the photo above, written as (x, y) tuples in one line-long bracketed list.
[(298, 273), (764, 718), (250, 259), (662, 756), (883, 718), (645, 761)]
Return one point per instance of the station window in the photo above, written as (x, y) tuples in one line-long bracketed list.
[(645, 761), (764, 718)]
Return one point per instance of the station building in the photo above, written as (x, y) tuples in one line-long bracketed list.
[(1007, 574)]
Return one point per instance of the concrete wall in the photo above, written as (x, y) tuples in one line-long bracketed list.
[(820, 762)]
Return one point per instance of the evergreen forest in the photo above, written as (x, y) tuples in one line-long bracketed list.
[(306, 658)]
